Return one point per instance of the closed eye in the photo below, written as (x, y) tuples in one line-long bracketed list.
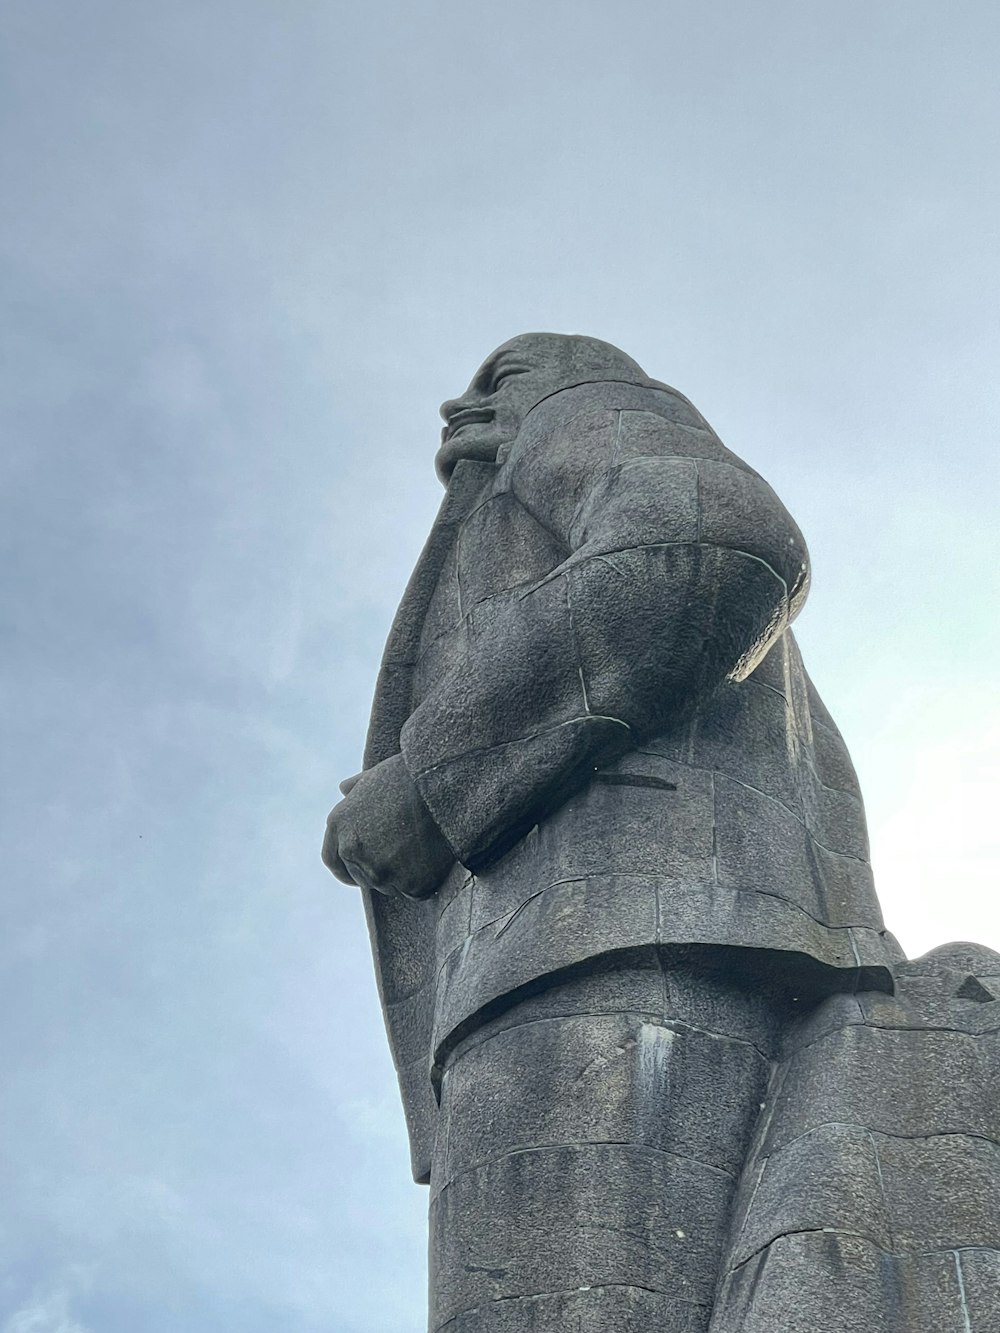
[(506, 374)]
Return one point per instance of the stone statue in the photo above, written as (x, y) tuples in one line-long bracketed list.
[(871, 1200), (610, 842)]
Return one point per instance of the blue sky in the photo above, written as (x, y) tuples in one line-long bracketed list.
[(247, 248)]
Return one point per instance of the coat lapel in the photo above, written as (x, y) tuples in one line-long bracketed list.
[(403, 931), (393, 691)]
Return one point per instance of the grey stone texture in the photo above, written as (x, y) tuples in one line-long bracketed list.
[(590, 1142), (594, 688), (662, 1065), (871, 1198)]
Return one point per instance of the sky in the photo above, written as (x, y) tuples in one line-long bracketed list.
[(246, 249)]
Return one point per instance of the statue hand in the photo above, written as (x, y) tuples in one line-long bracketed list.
[(382, 836), (331, 855)]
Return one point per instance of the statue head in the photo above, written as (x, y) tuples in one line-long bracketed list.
[(514, 379)]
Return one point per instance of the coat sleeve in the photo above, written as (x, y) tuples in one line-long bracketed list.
[(682, 569)]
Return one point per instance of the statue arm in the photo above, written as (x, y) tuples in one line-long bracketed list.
[(681, 573)]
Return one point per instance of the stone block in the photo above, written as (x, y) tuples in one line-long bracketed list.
[(454, 902), (565, 925), (644, 816), (826, 1180), (529, 677), (560, 452), (830, 756), (444, 608), (835, 819), (656, 625), (486, 801), (640, 501), (742, 732), (942, 1192), (740, 511), (928, 1002), (436, 659), (502, 523), (672, 431), (763, 846), (615, 1078), (592, 1215), (980, 1281), (824, 1282), (912, 1083), (586, 1310)]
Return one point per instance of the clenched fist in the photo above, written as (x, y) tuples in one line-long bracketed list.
[(382, 836)]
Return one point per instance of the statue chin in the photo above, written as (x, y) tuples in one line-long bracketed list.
[(483, 449)]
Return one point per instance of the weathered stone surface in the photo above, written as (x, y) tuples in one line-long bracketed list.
[(575, 1139), (822, 1282), (872, 1194), (650, 494), (500, 524), (951, 988), (587, 1310), (740, 511), (599, 1078), (827, 1180), (978, 1272), (659, 433), (760, 714), (863, 1075), (582, 1215), (454, 922), (616, 875), (567, 924), (763, 845), (942, 1193)]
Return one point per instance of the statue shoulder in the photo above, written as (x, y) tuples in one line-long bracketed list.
[(576, 436)]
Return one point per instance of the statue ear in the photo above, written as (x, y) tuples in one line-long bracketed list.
[(973, 989)]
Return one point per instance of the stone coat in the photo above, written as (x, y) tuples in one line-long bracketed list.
[(593, 685)]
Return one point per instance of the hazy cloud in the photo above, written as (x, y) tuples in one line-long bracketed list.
[(247, 248)]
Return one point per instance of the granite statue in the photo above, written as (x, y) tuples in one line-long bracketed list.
[(611, 847), (871, 1199)]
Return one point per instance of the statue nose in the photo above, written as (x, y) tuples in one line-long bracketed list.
[(449, 408)]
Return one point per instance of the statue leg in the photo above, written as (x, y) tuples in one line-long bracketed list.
[(591, 1139)]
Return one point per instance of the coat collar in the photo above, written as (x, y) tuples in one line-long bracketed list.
[(391, 707)]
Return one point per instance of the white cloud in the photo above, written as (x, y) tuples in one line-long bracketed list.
[(48, 1312)]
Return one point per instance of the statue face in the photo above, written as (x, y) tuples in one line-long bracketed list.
[(513, 380)]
